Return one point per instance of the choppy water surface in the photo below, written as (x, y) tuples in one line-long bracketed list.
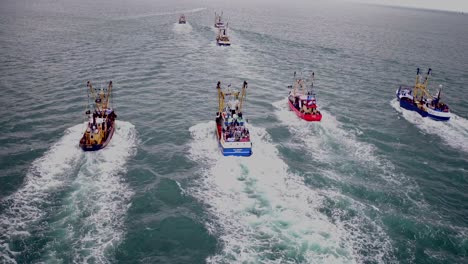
[(371, 183)]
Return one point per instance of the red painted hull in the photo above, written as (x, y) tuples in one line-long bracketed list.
[(306, 117)]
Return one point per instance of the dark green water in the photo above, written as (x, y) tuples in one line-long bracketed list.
[(371, 183)]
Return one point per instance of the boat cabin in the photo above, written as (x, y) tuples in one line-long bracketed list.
[(305, 104)]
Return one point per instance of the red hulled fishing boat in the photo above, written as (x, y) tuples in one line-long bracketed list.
[(302, 99)]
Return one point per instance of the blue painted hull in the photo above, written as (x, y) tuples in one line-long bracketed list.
[(92, 147), (438, 118), (237, 152), (412, 107)]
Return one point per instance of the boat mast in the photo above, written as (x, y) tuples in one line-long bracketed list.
[(311, 83), (109, 92), (417, 78), (303, 86), (420, 89), (97, 100), (426, 81), (91, 90), (424, 86), (220, 97), (295, 84), (243, 93)]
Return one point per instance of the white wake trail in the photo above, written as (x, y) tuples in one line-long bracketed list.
[(334, 148), (94, 212), (454, 132), (261, 211), (182, 28), (48, 174)]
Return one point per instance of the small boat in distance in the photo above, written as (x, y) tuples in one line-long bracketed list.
[(101, 122), (231, 131), (222, 39), (302, 99), (182, 19), (417, 98), (219, 21)]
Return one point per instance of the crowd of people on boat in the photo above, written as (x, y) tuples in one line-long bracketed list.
[(233, 129), (308, 107), (438, 106), (236, 133), (423, 102), (99, 130)]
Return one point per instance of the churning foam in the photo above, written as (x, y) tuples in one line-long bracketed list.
[(262, 212), (47, 175), (328, 143), (454, 131), (326, 138), (186, 11), (90, 218), (182, 28), (94, 211)]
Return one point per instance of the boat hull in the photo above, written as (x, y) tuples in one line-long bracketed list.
[(406, 102), (306, 117), (237, 152), (95, 147), (220, 43)]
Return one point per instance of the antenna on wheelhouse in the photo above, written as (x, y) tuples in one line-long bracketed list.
[(312, 80)]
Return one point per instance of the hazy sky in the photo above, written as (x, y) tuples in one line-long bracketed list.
[(452, 5)]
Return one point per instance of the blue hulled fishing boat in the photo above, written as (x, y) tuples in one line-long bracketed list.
[(417, 98)]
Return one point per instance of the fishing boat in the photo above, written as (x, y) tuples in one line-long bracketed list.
[(219, 21), (222, 39), (231, 130), (101, 120), (302, 99), (182, 19), (417, 98)]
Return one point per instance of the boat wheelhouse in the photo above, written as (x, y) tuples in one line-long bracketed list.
[(222, 39), (101, 121), (302, 99), (231, 126), (182, 19), (218, 23), (417, 98)]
